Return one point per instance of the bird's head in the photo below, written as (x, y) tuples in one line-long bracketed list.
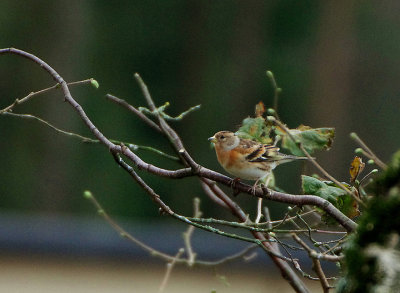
[(225, 139)]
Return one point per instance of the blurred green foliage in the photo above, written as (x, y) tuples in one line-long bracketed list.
[(372, 254), (337, 66)]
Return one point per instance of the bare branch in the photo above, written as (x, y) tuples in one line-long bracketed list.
[(160, 111), (33, 117), (232, 257), (210, 189), (316, 264), (277, 91), (128, 106), (170, 266), (122, 232), (189, 232), (37, 93)]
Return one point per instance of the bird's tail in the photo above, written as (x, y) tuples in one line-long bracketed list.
[(283, 158)]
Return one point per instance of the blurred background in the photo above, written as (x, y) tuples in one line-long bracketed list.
[(338, 66)]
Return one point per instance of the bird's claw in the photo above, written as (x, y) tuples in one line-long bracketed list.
[(233, 186)]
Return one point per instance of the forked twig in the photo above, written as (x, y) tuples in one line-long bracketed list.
[(123, 233), (189, 232), (170, 266), (316, 263), (37, 93)]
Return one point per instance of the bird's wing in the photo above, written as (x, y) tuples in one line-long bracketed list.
[(257, 152)]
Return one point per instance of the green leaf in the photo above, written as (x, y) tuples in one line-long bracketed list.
[(348, 206), (316, 187), (335, 195), (312, 139), (255, 129), (311, 185)]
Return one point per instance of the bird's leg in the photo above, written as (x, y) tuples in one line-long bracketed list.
[(253, 188), (277, 139), (233, 186), (259, 213), (259, 202)]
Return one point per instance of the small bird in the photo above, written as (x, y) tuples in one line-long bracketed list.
[(247, 159)]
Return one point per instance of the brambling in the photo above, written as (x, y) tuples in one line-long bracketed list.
[(247, 159)]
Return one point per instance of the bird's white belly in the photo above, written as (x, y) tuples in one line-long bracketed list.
[(248, 173)]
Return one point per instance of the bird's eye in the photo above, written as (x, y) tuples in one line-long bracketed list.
[(222, 137)]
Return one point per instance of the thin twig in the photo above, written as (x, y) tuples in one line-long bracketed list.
[(29, 116), (285, 218), (277, 91), (37, 93), (372, 155), (312, 211), (252, 227), (316, 263), (189, 232), (297, 266), (309, 229), (170, 266), (210, 189), (123, 233), (235, 256), (259, 211), (128, 106), (307, 233), (133, 147), (160, 111), (267, 216)]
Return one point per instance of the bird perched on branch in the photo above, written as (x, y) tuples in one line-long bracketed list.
[(247, 159)]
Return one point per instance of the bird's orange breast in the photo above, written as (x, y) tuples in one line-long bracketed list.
[(227, 158)]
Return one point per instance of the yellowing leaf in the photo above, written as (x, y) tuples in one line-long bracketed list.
[(264, 130), (260, 109), (255, 129), (356, 167)]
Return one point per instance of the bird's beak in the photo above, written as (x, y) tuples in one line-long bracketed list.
[(212, 139)]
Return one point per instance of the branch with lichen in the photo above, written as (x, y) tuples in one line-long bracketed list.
[(315, 257)]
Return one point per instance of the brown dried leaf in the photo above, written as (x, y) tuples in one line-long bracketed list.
[(356, 167)]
